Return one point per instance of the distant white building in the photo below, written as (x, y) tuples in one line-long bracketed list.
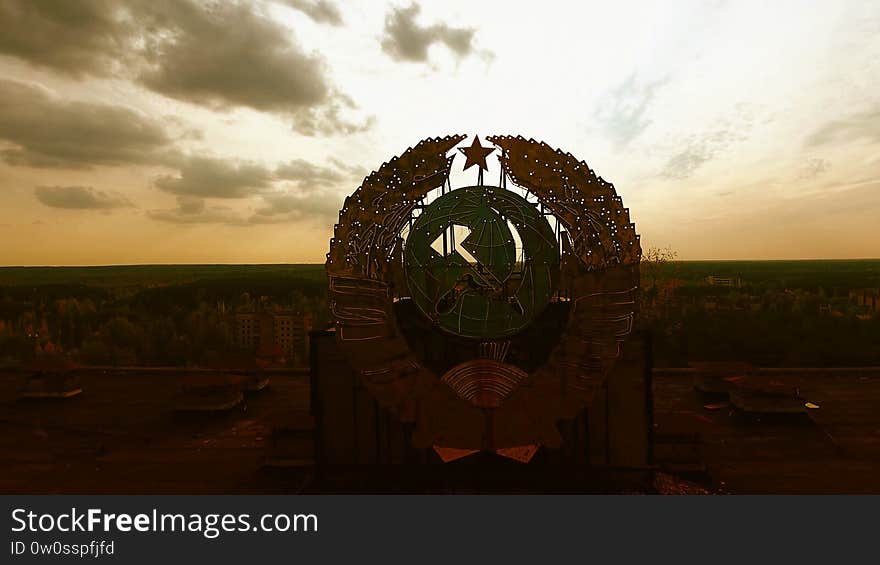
[(274, 332), (867, 298), (733, 282)]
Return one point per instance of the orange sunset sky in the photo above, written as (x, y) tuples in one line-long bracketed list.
[(181, 131)]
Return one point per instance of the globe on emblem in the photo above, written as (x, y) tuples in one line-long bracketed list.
[(465, 271)]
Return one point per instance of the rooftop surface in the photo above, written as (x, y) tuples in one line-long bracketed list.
[(122, 435)]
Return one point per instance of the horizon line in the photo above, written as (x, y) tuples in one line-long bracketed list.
[(74, 266)]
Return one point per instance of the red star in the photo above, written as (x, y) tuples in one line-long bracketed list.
[(476, 154)]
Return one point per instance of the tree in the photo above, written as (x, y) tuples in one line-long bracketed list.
[(657, 277)]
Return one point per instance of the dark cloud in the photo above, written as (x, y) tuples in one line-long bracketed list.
[(227, 54), (307, 175), (623, 112), (83, 37), (48, 132), (207, 177), (353, 171), (310, 191), (288, 206), (863, 125), (80, 198), (191, 210), (277, 208), (296, 190), (328, 119), (190, 205), (218, 54), (406, 40), (202, 177), (321, 11)]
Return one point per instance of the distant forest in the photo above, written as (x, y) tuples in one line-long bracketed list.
[(144, 315), (775, 314), (778, 313)]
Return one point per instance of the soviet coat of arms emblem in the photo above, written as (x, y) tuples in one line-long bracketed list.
[(486, 313)]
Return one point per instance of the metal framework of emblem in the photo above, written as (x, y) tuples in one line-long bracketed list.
[(480, 290)]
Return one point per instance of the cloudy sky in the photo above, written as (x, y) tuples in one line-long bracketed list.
[(168, 131)]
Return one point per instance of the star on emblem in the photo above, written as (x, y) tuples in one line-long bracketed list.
[(476, 154)]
